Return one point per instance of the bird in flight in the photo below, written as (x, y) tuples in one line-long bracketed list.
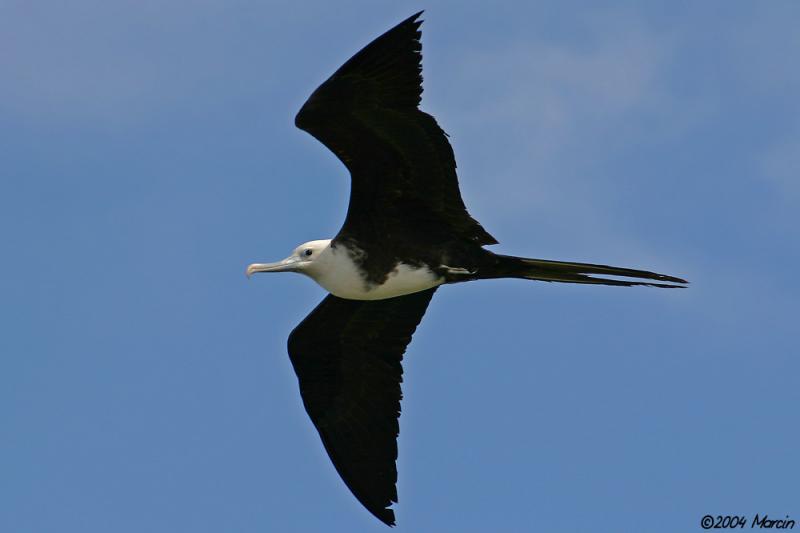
[(406, 232)]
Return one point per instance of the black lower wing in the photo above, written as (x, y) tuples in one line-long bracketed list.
[(347, 356)]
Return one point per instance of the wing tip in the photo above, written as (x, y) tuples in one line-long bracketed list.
[(401, 44), (414, 17), (385, 515)]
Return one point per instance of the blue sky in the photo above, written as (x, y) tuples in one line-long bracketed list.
[(148, 155)]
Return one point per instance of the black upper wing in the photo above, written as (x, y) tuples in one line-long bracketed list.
[(347, 355), (404, 181)]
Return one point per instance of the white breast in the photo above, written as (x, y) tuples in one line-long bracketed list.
[(336, 272)]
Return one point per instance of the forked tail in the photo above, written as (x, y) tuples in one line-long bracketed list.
[(562, 271)]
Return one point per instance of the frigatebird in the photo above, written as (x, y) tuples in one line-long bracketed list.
[(406, 232)]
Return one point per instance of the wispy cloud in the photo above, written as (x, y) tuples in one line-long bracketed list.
[(94, 60), (551, 100)]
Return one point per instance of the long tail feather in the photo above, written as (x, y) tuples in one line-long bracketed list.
[(568, 272)]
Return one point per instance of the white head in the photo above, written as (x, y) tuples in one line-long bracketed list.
[(302, 260)]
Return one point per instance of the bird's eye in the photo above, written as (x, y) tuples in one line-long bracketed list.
[(308, 252)]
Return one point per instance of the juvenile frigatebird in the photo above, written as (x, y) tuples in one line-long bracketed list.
[(407, 232)]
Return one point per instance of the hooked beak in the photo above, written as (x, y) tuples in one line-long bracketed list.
[(287, 265)]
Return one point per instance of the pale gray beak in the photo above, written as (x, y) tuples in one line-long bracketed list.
[(287, 265)]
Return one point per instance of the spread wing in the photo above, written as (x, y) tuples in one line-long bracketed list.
[(403, 171), (347, 356)]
